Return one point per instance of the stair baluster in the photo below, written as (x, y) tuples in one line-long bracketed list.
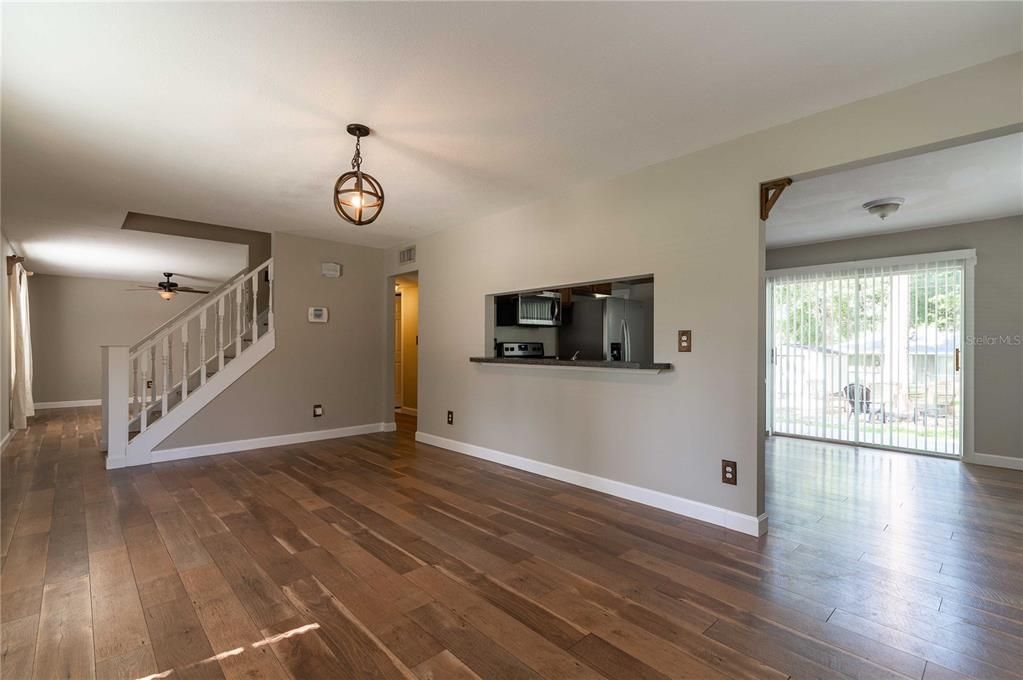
[(255, 307), (220, 334), (165, 383), (184, 361), (134, 387), (238, 329), (143, 360), (270, 295), (152, 373), (202, 348)]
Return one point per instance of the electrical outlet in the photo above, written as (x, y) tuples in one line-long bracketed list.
[(317, 410), (729, 472), (685, 341), (451, 417)]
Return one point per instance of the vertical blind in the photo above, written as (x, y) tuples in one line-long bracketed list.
[(869, 354)]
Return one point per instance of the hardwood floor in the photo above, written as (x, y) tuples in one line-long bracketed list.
[(376, 557)]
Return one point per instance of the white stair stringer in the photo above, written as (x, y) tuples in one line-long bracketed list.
[(140, 447)]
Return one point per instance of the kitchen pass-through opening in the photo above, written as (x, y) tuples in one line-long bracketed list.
[(609, 320)]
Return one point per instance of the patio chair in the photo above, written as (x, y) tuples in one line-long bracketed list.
[(860, 402)]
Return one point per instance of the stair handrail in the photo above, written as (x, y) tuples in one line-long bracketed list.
[(197, 308), (223, 287)]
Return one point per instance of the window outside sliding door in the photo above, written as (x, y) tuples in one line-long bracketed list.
[(870, 353)]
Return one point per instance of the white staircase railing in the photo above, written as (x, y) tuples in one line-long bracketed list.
[(167, 367)]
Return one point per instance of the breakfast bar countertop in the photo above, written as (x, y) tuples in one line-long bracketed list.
[(578, 364)]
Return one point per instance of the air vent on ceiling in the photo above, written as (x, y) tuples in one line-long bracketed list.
[(407, 255)]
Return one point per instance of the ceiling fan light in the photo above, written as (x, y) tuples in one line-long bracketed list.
[(167, 294), (884, 207)]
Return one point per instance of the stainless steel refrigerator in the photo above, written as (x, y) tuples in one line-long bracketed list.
[(606, 329)]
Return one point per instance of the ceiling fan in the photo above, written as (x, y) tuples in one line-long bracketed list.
[(168, 289)]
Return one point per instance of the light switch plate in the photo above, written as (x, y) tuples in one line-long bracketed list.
[(685, 341)]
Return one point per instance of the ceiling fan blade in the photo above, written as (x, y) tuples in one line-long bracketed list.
[(198, 279), (139, 289), (186, 289)]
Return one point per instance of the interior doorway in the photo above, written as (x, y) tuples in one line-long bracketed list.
[(884, 301), (406, 344)]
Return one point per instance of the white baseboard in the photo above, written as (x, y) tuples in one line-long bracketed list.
[(68, 404), (182, 452), (747, 524), (7, 438), (389, 427), (993, 460)]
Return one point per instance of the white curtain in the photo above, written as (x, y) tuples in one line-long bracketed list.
[(22, 405)]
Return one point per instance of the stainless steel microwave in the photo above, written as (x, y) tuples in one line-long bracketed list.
[(530, 309)]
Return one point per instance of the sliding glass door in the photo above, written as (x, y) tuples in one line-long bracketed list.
[(870, 354)]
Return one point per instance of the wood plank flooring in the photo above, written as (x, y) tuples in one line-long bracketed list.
[(377, 557)]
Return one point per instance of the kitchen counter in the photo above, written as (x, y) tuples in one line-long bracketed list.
[(578, 365)]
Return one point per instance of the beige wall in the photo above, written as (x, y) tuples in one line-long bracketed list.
[(409, 345), (72, 317), (998, 310), (258, 242), (692, 223), (337, 364)]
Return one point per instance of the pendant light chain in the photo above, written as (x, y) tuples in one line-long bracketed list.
[(357, 158)]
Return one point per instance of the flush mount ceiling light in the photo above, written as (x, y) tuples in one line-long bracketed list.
[(883, 207), (358, 197)]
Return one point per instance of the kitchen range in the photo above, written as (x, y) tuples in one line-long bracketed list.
[(607, 325)]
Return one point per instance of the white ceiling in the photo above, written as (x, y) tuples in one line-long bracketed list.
[(978, 181), (234, 113), (133, 256)]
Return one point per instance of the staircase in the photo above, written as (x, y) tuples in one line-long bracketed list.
[(153, 387)]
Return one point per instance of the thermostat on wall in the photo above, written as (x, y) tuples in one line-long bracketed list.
[(318, 315), (332, 270)]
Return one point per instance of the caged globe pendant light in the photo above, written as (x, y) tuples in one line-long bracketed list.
[(358, 197)]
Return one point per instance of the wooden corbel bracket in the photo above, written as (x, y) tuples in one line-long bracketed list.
[(770, 192)]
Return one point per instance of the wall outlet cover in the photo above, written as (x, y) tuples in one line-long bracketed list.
[(451, 417), (729, 472), (685, 341), (317, 410), (318, 315)]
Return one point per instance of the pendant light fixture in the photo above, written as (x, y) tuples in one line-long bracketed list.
[(358, 197)]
